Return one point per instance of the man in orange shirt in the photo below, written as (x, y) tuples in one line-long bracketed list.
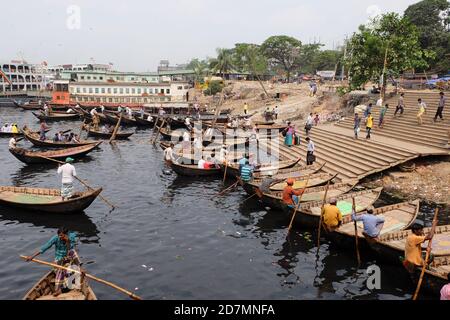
[(290, 196), (413, 247), (332, 216)]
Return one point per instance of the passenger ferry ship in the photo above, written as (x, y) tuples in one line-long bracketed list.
[(18, 75), (113, 88)]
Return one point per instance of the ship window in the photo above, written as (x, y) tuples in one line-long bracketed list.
[(86, 99), (101, 78), (97, 90), (90, 90), (133, 91), (139, 91), (92, 99), (116, 100), (82, 77), (145, 100), (110, 100), (88, 77), (84, 90), (128, 90), (180, 88), (109, 91), (95, 78), (186, 87), (103, 90), (121, 90), (115, 91), (156, 90), (167, 91), (150, 91), (133, 100), (78, 90), (127, 100)]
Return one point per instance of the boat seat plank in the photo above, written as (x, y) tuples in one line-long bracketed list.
[(72, 295)]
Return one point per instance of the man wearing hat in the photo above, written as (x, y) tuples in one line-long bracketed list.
[(290, 195), (67, 171), (413, 247), (372, 223), (332, 216)]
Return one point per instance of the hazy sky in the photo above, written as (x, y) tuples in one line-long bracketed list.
[(135, 34)]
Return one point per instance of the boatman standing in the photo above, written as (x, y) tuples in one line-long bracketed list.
[(413, 247), (372, 223), (168, 154), (68, 172), (290, 195), (65, 255)]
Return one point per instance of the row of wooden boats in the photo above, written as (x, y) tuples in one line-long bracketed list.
[(269, 181)]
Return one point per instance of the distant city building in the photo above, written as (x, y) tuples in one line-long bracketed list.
[(164, 65)]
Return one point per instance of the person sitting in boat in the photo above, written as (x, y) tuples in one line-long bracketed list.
[(75, 139), (150, 118), (95, 121), (56, 138), (187, 123), (93, 112), (5, 128), (290, 195), (70, 137), (243, 161), (68, 172), (12, 143), (106, 128), (141, 112), (120, 109), (14, 128), (129, 112), (332, 216), (65, 255), (168, 154), (223, 154), (372, 223), (46, 110), (201, 163), (413, 247), (247, 172), (70, 110)]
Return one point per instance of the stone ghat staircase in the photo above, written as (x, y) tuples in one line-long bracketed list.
[(405, 127)]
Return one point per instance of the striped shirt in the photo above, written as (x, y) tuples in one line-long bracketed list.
[(60, 246), (246, 173)]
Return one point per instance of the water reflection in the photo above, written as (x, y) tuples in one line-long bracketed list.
[(80, 223)]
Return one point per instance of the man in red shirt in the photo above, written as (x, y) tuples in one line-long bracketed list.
[(290, 196)]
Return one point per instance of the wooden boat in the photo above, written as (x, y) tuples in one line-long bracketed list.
[(119, 135), (126, 121), (391, 246), (270, 168), (193, 170), (296, 172), (309, 213), (313, 180), (10, 134), (57, 116), (45, 287), (274, 200), (143, 122), (398, 217), (46, 200), (34, 139), (34, 157)]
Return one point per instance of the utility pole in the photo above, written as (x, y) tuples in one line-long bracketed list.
[(345, 57)]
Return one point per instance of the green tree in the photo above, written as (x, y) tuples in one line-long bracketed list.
[(223, 63), (282, 52), (388, 37), (431, 17), (200, 68)]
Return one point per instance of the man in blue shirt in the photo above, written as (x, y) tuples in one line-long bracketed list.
[(246, 172), (242, 162), (65, 254), (372, 223)]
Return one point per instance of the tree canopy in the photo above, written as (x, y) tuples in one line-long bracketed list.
[(388, 36)]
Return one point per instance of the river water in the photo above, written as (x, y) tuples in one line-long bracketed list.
[(172, 238)]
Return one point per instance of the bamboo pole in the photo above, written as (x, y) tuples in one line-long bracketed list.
[(116, 129), (298, 205), (356, 233), (81, 181), (427, 257), (225, 172), (321, 215), (112, 285)]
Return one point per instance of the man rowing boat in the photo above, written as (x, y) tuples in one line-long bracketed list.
[(65, 255)]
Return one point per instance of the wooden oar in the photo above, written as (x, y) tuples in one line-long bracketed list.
[(113, 137), (229, 188), (321, 214), (356, 234), (298, 205), (225, 172), (112, 285), (427, 257), (81, 181)]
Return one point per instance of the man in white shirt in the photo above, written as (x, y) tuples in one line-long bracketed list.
[(168, 154), (309, 123), (68, 173), (93, 112), (223, 154), (12, 143), (310, 158), (201, 163), (186, 140), (187, 123)]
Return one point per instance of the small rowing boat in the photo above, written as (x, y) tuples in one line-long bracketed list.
[(45, 288), (46, 200), (398, 217), (264, 169), (126, 121), (312, 180), (143, 122), (274, 200), (54, 116), (435, 277), (35, 157), (102, 135), (34, 139), (193, 170), (309, 213)]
